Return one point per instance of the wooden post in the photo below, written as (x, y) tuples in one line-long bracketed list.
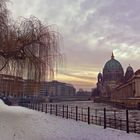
[(76, 113), (127, 122), (88, 115), (104, 118)]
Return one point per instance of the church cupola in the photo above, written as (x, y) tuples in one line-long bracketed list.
[(129, 73)]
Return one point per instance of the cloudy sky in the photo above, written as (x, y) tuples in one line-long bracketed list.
[(91, 30)]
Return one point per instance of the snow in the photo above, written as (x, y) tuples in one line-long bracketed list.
[(19, 123)]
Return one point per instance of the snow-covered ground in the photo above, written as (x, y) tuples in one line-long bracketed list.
[(18, 123)]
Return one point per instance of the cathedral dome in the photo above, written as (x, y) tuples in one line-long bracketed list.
[(113, 70), (100, 77), (129, 73), (129, 68)]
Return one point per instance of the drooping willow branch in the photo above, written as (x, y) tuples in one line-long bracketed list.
[(28, 48)]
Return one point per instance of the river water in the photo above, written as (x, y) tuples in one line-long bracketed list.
[(97, 108)]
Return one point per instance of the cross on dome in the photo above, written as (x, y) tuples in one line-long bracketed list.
[(112, 57)]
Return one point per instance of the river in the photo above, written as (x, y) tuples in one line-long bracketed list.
[(97, 108)]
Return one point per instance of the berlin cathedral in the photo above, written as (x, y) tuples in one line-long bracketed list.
[(112, 77)]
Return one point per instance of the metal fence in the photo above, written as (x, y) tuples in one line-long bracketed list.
[(105, 118)]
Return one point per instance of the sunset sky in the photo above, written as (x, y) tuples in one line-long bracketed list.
[(91, 30)]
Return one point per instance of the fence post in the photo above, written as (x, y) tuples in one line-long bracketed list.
[(96, 115), (31, 105), (127, 121), (42, 108), (50, 108), (88, 115), (115, 118), (27, 105), (134, 127), (120, 124), (76, 113), (35, 105), (38, 107), (63, 111), (104, 118), (56, 110), (82, 113), (67, 112), (46, 109)]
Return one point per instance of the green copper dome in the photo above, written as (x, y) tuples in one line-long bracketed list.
[(113, 65), (113, 70), (129, 73)]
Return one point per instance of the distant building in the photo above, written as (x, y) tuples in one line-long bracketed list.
[(43, 88), (18, 87), (82, 92), (31, 88), (55, 88), (11, 85), (115, 86)]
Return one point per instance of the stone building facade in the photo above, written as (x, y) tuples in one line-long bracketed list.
[(11, 85), (55, 88)]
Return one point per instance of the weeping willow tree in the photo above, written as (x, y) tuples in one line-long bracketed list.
[(28, 48)]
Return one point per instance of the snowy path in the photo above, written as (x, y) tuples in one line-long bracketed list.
[(17, 123)]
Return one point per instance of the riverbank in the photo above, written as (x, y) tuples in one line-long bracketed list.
[(18, 123)]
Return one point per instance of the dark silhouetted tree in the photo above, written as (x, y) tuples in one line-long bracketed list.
[(28, 48)]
